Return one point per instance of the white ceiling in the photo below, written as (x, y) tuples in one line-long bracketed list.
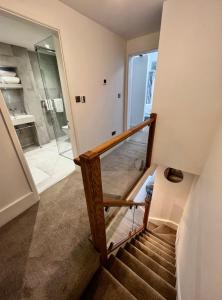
[(128, 18), (16, 31)]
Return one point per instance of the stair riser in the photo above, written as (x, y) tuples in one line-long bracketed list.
[(160, 246), (154, 280), (157, 250), (152, 264), (158, 240), (130, 280), (171, 268)]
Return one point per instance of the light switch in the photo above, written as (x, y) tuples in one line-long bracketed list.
[(78, 99)]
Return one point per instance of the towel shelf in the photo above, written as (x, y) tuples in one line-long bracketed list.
[(10, 86)]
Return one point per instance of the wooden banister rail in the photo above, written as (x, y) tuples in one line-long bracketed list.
[(92, 181), (121, 203), (97, 151)]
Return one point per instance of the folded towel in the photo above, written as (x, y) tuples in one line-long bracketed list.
[(48, 103), (9, 79), (7, 73), (58, 102)]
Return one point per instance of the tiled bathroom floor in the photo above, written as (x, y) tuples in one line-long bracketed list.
[(47, 166)]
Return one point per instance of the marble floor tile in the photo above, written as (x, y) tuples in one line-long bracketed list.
[(47, 166)]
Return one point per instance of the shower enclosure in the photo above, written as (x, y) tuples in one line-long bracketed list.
[(52, 101)]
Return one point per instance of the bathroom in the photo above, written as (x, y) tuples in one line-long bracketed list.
[(32, 90)]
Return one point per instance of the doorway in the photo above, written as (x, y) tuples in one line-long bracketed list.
[(141, 80), (31, 85)]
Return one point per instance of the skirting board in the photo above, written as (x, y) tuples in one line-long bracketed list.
[(175, 226), (14, 209), (178, 281)]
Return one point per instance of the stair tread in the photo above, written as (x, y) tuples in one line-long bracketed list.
[(152, 226), (105, 287), (153, 279), (170, 267), (171, 238), (163, 228), (160, 240), (152, 264), (157, 244), (134, 283), (157, 250)]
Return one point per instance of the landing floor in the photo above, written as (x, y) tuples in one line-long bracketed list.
[(45, 252)]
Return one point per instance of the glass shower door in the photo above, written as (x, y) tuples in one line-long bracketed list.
[(53, 103)]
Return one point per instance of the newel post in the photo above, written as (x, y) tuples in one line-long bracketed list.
[(91, 174), (150, 140)]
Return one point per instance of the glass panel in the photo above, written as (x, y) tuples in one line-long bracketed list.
[(125, 222), (52, 100), (124, 165)]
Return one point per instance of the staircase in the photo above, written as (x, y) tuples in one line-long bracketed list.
[(143, 269)]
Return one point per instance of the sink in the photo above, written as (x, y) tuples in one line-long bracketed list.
[(22, 119)]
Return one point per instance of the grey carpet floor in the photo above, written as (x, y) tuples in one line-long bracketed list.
[(45, 252)]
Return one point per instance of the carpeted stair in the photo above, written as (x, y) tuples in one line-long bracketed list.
[(143, 269)]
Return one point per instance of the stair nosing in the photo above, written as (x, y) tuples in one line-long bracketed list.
[(162, 240), (150, 233), (138, 277), (162, 247), (171, 265), (117, 281), (154, 274), (155, 262), (166, 258)]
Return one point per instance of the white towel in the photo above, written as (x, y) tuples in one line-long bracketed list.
[(7, 73), (58, 102), (48, 103), (9, 79)]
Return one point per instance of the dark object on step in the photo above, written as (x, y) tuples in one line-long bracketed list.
[(149, 190)]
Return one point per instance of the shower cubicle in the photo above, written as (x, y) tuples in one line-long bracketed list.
[(50, 93)]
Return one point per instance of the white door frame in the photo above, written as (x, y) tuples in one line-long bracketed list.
[(17, 145), (128, 86), (65, 91), (62, 74), (26, 201)]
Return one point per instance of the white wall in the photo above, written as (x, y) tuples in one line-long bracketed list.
[(188, 91), (91, 53), (138, 88), (169, 198), (143, 43), (200, 231)]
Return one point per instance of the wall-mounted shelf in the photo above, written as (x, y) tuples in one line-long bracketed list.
[(10, 86)]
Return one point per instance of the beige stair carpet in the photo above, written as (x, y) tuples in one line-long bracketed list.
[(144, 269)]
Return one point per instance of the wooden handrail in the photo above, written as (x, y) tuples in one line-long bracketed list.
[(97, 151), (120, 203), (77, 161), (92, 179)]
